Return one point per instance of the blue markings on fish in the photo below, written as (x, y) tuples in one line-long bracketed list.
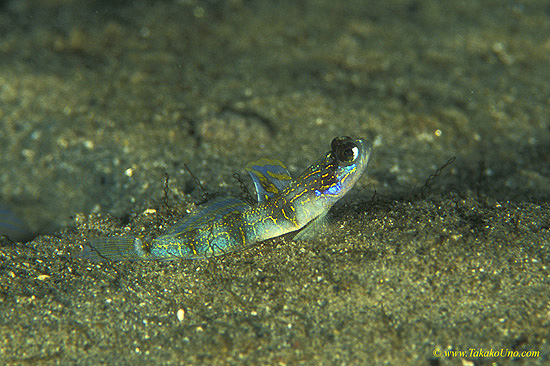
[(227, 224)]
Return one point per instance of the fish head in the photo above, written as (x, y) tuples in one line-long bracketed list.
[(331, 177), (341, 167)]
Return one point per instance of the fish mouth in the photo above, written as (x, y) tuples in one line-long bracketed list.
[(366, 149)]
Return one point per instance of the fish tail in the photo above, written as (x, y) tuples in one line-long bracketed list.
[(12, 226), (116, 248)]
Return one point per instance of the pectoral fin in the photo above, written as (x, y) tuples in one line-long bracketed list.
[(314, 227)]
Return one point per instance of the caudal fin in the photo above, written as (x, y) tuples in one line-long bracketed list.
[(116, 248)]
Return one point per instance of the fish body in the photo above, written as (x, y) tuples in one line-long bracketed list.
[(228, 224)]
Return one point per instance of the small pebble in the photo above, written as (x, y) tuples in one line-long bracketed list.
[(180, 314)]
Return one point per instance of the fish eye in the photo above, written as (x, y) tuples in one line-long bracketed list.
[(344, 149)]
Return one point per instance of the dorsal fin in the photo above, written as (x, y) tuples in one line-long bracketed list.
[(270, 176), (215, 209)]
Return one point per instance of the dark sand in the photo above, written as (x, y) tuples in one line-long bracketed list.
[(99, 99)]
